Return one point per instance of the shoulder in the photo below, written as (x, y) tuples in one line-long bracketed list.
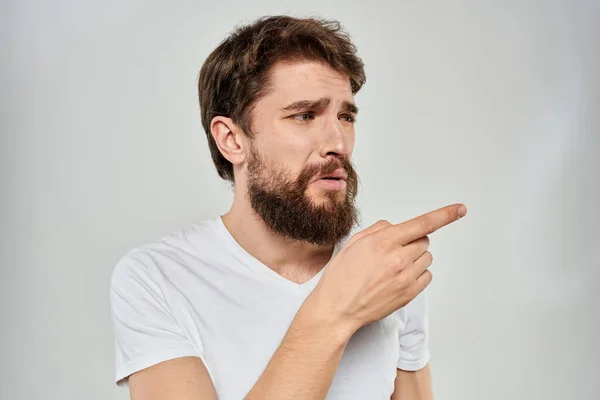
[(150, 261)]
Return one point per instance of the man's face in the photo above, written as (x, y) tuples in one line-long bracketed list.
[(300, 179)]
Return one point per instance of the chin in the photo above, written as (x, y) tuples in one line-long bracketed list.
[(322, 196)]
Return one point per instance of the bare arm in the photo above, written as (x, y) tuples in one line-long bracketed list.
[(355, 290), (380, 270), (304, 365), (413, 385), (183, 378)]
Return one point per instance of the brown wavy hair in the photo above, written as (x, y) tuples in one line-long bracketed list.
[(236, 74)]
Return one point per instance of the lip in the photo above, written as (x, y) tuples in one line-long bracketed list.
[(339, 173), (331, 184)]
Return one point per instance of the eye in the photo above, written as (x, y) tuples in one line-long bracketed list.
[(348, 118), (303, 117)]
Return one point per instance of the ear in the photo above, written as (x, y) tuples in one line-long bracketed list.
[(230, 139)]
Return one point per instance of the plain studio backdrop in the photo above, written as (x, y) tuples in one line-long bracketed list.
[(493, 104)]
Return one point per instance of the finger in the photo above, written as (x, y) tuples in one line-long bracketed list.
[(415, 249), (371, 229), (416, 269), (423, 225), (422, 282), (418, 285)]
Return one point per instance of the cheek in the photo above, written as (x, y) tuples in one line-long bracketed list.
[(287, 146), (352, 142), (285, 159), (292, 151)]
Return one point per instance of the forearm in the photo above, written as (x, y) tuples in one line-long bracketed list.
[(305, 363), (413, 385)]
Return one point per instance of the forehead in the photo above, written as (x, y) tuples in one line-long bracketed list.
[(290, 82)]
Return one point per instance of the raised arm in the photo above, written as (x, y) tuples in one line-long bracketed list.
[(380, 270)]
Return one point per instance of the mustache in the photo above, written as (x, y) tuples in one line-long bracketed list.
[(320, 169)]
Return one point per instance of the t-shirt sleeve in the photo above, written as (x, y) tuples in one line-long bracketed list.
[(414, 348), (145, 330)]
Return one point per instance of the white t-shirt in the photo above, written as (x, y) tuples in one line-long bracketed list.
[(198, 293)]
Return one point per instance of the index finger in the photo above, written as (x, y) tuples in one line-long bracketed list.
[(424, 225)]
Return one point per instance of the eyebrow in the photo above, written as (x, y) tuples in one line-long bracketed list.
[(350, 107), (320, 103)]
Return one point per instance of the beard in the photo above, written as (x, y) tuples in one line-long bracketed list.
[(286, 208)]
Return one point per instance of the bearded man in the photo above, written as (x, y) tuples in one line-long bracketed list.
[(274, 299)]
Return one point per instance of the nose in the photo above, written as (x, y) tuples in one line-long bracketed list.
[(337, 138)]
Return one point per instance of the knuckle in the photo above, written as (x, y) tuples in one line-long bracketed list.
[(394, 261), (383, 244), (427, 241), (427, 277), (399, 261), (383, 223), (357, 236), (428, 257), (452, 214), (402, 281), (422, 243), (426, 225)]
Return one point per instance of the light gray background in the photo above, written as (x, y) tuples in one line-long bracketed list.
[(494, 104)]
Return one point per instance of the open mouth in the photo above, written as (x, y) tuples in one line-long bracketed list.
[(331, 183), (334, 180)]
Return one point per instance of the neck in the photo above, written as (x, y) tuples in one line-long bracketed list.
[(288, 257)]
